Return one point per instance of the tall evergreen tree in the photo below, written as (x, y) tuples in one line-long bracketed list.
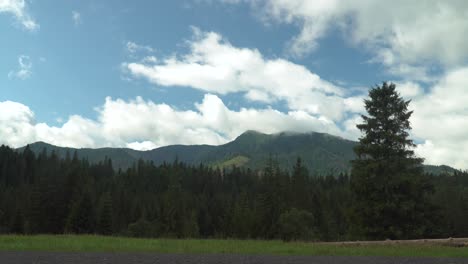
[(242, 217), (269, 202), (18, 222), (389, 187), (81, 218), (104, 224), (299, 192), (36, 213)]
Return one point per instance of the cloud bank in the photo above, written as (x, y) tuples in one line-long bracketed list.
[(439, 123), (141, 124), (409, 38), (216, 66)]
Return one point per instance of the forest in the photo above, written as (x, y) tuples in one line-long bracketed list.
[(45, 194), (387, 194)]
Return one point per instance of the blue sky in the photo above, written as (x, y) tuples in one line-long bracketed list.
[(144, 74), (75, 66)]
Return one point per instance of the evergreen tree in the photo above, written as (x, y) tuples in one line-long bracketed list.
[(36, 217), (190, 227), (3, 225), (296, 224), (81, 218), (40, 193), (104, 225), (299, 192), (18, 222), (269, 202), (242, 217), (387, 181), (141, 228)]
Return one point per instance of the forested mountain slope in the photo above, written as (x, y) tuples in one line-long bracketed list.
[(321, 153)]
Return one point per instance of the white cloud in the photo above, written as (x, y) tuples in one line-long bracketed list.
[(16, 123), (24, 68), (75, 132), (18, 9), (405, 37), (211, 123), (441, 118), (439, 122), (76, 17), (216, 66), (143, 124), (350, 129), (410, 39), (149, 59), (409, 90), (145, 145), (133, 47)]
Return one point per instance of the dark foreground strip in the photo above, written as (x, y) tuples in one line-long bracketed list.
[(130, 258)]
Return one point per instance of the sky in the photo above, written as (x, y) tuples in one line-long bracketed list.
[(145, 74)]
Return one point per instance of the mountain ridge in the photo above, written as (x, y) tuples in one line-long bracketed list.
[(321, 153)]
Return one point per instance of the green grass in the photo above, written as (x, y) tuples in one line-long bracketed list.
[(72, 243), (237, 161)]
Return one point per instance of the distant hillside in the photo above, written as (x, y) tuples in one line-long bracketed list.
[(321, 153), (121, 157)]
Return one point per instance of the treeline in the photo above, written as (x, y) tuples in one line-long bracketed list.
[(45, 194)]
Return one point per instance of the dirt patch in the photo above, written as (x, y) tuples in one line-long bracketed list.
[(449, 242)]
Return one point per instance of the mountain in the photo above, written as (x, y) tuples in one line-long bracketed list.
[(121, 157), (321, 153)]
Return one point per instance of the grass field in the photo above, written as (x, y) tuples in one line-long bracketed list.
[(72, 243)]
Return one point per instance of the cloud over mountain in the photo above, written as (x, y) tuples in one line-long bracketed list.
[(144, 124)]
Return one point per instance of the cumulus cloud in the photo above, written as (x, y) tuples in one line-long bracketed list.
[(18, 8), (216, 66), (441, 118), (412, 40), (211, 123), (16, 123), (405, 37), (24, 70), (141, 124), (439, 123)]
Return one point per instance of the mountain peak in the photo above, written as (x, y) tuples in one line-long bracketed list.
[(252, 132), (321, 153), (252, 136), (38, 144)]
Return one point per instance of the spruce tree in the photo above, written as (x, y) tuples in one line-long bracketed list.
[(390, 190), (36, 215), (81, 218), (243, 217), (299, 192), (104, 223), (17, 226)]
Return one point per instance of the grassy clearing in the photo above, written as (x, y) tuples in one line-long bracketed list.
[(72, 243)]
